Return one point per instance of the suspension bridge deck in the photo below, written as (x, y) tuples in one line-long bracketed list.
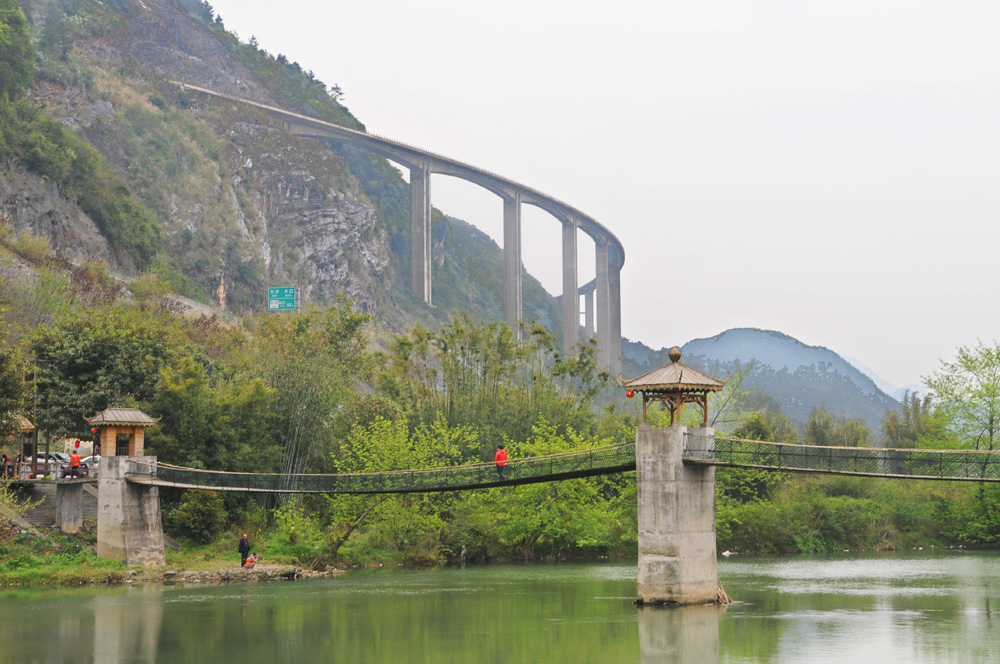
[(952, 465), (583, 463)]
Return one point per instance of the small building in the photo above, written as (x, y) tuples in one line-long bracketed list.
[(675, 385), (122, 430)]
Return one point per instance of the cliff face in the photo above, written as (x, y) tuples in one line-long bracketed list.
[(30, 203), (242, 204)]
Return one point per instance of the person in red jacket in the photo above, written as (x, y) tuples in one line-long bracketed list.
[(74, 464), (501, 460)]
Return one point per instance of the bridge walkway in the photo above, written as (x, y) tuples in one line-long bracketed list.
[(951, 465), (582, 463)]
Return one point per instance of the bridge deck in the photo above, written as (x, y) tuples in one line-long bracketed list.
[(584, 463), (952, 465)]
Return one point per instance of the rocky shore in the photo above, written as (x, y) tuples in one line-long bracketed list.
[(236, 575)]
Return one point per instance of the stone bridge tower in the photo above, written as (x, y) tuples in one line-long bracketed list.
[(677, 563)]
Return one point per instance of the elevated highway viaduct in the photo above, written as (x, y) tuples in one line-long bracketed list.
[(603, 294)]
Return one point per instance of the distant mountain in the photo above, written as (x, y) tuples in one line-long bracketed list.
[(894, 391), (797, 376)]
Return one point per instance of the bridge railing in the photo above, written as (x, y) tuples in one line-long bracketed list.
[(582, 463), (969, 465)]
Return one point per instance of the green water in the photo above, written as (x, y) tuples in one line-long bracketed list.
[(939, 606)]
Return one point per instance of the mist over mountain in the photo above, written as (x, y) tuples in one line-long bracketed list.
[(799, 377)]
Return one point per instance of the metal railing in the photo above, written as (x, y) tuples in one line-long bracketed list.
[(582, 463), (956, 465)]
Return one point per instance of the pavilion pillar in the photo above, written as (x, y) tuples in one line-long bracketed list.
[(420, 232), (571, 293), (512, 289), (676, 504)]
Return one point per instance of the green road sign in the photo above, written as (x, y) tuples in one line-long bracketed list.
[(281, 298)]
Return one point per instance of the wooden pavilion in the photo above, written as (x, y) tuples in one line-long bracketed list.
[(122, 430), (674, 385)]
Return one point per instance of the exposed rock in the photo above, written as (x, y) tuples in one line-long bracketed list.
[(34, 204)]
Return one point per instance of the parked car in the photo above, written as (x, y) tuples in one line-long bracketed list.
[(59, 465), (93, 464)]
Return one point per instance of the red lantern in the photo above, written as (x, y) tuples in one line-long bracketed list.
[(78, 444), (629, 393), (93, 429)]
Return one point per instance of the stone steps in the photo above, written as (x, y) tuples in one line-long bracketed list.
[(44, 514)]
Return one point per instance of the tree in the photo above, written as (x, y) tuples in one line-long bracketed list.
[(917, 424), (311, 363), (968, 392), (826, 429), (17, 57), (11, 384), (89, 360)]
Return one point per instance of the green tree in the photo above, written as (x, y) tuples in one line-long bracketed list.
[(90, 360), (916, 424), (17, 57), (311, 363), (12, 385), (826, 429), (968, 393)]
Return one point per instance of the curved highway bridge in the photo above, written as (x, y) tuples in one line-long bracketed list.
[(421, 164), (954, 465)]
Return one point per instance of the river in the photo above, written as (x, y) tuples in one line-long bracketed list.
[(928, 606)]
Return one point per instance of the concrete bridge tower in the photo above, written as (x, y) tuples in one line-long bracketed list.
[(129, 526), (677, 563)]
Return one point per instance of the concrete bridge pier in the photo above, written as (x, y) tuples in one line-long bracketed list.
[(128, 516), (677, 563), (588, 312), (513, 305), (604, 346), (614, 318), (571, 293), (69, 506), (420, 232)]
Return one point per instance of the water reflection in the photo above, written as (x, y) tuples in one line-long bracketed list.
[(127, 627), (899, 608), (679, 635)]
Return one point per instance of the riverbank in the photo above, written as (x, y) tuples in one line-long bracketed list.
[(99, 572), (49, 559)]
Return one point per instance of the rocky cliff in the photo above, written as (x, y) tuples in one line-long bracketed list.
[(242, 204)]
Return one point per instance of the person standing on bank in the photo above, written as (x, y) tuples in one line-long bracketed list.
[(244, 550), (501, 460)]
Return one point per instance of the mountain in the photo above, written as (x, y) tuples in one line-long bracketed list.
[(799, 377), (238, 204)]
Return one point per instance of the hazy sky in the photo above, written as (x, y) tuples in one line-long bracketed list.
[(829, 169)]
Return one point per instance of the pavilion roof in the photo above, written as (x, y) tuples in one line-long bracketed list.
[(21, 424), (675, 377), (129, 417)]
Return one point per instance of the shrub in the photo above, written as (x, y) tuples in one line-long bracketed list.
[(199, 516), (34, 248)]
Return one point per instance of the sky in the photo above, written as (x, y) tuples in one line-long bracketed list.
[(826, 169)]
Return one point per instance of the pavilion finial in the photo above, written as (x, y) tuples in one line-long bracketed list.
[(674, 354)]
